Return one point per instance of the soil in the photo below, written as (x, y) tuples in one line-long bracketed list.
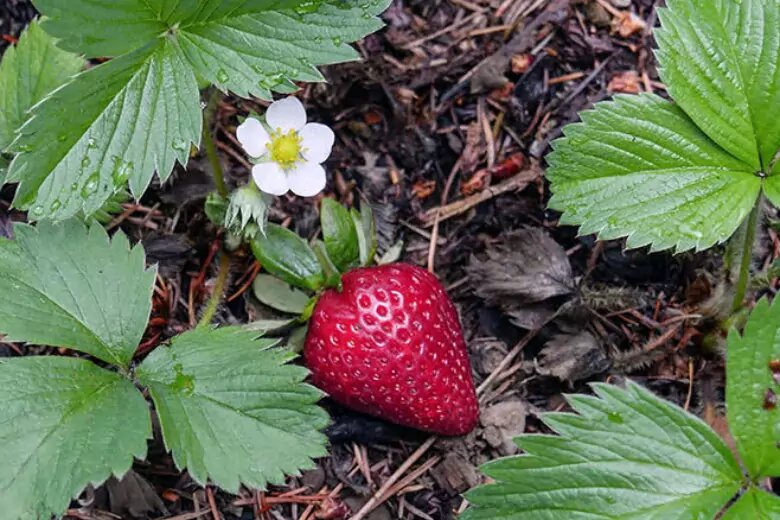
[(451, 114)]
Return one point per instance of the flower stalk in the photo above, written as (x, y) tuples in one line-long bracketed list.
[(209, 114), (741, 256)]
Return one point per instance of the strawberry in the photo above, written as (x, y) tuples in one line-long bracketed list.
[(390, 344)]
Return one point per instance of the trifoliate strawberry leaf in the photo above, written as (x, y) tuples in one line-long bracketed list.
[(29, 71), (720, 60), (232, 409), (68, 286), (755, 427), (120, 121), (755, 504), (625, 454), (339, 234), (64, 423), (284, 254), (639, 167)]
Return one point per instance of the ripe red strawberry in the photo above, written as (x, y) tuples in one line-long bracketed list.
[(390, 344)]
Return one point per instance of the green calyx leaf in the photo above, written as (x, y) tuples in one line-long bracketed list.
[(140, 113), (755, 428), (74, 287), (278, 295), (639, 167), (720, 61), (65, 423), (232, 409), (28, 73), (366, 232), (340, 234), (624, 454), (332, 273), (286, 255)]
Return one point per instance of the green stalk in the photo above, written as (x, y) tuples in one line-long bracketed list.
[(219, 289), (744, 242), (208, 143)]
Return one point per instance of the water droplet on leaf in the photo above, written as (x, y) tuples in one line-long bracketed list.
[(311, 6), (222, 76), (91, 185), (85, 162), (55, 206), (179, 144)]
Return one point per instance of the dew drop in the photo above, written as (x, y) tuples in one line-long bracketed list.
[(55, 206), (308, 7), (615, 418), (37, 211), (85, 162), (222, 76), (337, 41), (91, 143), (62, 137), (179, 144), (74, 186), (272, 81), (91, 185)]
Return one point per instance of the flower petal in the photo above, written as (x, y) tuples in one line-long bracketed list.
[(286, 114), (307, 179), (317, 142), (270, 178), (253, 137)]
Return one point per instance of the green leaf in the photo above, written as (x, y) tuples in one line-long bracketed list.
[(339, 234), (64, 423), (625, 454), (755, 504), (72, 287), (259, 52), (756, 430), (29, 71), (639, 167), (366, 230), (720, 60), (3, 168), (286, 255), (772, 186), (250, 47), (232, 410), (278, 295), (120, 121)]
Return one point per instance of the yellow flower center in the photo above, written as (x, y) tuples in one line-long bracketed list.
[(285, 149)]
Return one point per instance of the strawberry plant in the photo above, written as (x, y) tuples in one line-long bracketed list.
[(225, 401), (74, 139), (686, 173), (384, 340)]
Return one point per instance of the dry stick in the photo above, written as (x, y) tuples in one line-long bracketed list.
[(375, 500), (516, 183)]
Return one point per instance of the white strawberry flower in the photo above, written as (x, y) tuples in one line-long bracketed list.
[(290, 151)]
